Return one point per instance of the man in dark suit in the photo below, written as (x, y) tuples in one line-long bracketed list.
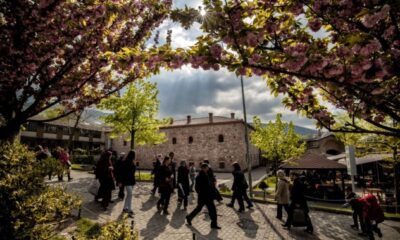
[(206, 195)]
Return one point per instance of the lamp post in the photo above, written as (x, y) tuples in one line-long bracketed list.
[(246, 139)]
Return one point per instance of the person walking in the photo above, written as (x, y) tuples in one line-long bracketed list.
[(206, 195), (298, 200), (104, 172), (166, 186), (239, 187), (118, 168), (156, 173), (183, 185), (357, 207), (282, 194), (213, 180), (192, 175), (65, 162), (128, 180), (173, 168), (373, 215)]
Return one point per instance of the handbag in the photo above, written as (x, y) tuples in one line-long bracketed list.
[(299, 218), (94, 187)]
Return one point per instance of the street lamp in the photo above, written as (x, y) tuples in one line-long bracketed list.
[(246, 139)]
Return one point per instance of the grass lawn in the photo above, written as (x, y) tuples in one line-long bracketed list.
[(82, 167), (143, 176)]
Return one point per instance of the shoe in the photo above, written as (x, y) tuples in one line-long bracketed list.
[(215, 227), (130, 215), (241, 210), (125, 210), (69, 179), (379, 233), (229, 205), (111, 201), (185, 208), (279, 218), (189, 221), (287, 227), (250, 206), (165, 212), (354, 226)]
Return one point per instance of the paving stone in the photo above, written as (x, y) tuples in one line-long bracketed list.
[(259, 223)]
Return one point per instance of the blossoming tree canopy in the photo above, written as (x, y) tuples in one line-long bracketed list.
[(348, 51), (70, 52)]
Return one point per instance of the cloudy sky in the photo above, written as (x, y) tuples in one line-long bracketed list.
[(195, 92)]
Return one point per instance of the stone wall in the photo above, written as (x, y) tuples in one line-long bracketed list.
[(205, 146)]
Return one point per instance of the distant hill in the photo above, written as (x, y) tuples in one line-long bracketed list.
[(303, 131)]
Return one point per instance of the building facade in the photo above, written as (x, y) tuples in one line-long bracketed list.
[(219, 140), (57, 133), (325, 143)]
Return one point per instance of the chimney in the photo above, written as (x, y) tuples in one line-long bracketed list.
[(233, 115), (188, 119), (210, 117)]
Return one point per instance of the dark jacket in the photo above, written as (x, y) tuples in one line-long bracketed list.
[(211, 175), (183, 178), (118, 171), (128, 173), (204, 187), (297, 194), (165, 173), (239, 182)]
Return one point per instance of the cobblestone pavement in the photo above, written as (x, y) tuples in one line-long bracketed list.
[(259, 223)]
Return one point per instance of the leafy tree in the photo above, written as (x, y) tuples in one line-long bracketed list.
[(23, 195), (72, 53), (134, 113), (367, 142), (277, 140), (347, 51)]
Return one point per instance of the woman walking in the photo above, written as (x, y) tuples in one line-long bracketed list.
[(282, 194), (128, 180), (104, 172), (166, 186), (298, 200), (239, 187), (183, 185)]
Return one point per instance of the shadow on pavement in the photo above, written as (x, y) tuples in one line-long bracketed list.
[(212, 235), (155, 226)]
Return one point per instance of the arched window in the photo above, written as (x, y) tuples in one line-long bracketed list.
[(173, 140), (220, 138), (190, 140)]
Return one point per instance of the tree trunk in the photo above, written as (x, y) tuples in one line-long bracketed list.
[(73, 132), (9, 132), (396, 176), (133, 139)]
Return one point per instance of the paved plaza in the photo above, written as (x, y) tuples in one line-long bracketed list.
[(259, 223)]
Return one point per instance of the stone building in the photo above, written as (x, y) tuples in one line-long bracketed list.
[(217, 139), (325, 143)]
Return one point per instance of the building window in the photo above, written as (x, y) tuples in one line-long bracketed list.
[(125, 143), (190, 140), (221, 138), (221, 165), (173, 140), (51, 128)]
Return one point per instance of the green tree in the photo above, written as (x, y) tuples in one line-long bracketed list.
[(134, 113), (368, 142), (277, 140)]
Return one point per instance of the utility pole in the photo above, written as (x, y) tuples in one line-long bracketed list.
[(246, 139)]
